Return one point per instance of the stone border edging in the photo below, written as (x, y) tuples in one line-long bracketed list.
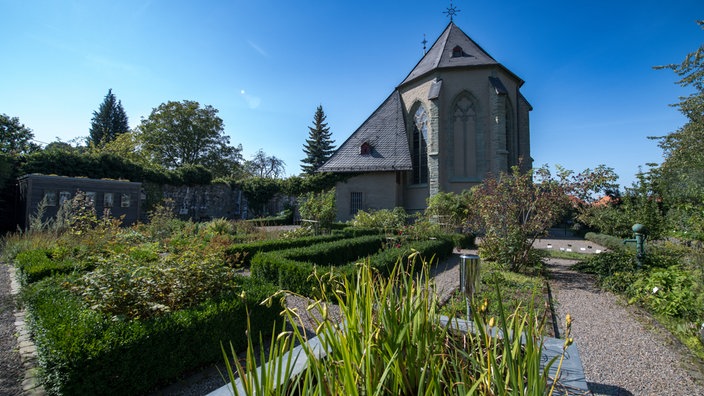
[(28, 351)]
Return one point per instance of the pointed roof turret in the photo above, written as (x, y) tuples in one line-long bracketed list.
[(452, 49)]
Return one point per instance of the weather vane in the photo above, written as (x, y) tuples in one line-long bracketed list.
[(424, 42), (451, 11)]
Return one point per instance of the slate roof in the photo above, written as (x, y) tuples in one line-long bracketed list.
[(441, 56), (385, 131)]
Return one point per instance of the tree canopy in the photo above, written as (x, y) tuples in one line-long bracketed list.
[(266, 166), (681, 176), (184, 133), (319, 146), (109, 121), (15, 138)]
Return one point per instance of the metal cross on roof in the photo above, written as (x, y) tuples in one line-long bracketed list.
[(424, 42), (451, 11)]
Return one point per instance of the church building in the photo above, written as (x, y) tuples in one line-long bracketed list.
[(457, 118)]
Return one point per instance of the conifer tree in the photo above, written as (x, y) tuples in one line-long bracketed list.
[(319, 145), (108, 121)]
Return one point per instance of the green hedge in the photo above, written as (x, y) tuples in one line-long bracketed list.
[(607, 241), (294, 275), (83, 352), (252, 248), (34, 265), (385, 260), (290, 269), (336, 252)]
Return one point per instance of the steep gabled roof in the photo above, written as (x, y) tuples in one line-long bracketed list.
[(452, 49), (385, 132)]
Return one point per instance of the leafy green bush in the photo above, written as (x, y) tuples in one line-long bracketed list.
[(667, 291), (662, 284), (141, 286), (607, 241), (449, 209), (384, 219), (318, 207), (385, 260), (83, 352)]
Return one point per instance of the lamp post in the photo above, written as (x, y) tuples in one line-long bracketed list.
[(469, 277)]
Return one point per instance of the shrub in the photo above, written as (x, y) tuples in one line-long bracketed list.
[(449, 209), (384, 219), (607, 241), (297, 275), (142, 286), (83, 352), (35, 265), (336, 252), (248, 250), (513, 211), (668, 292), (319, 207)]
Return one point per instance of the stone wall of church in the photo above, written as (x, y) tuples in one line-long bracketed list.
[(526, 162), (379, 190)]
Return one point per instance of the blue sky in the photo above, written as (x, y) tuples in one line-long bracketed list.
[(266, 65)]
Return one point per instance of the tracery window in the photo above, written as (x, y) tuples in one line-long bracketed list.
[(419, 147)]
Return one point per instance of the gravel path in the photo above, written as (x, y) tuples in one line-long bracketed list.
[(623, 350), (11, 372)]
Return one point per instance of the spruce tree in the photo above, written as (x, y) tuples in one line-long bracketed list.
[(108, 121), (319, 145)]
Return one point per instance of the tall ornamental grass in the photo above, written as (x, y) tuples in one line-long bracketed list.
[(390, 341)]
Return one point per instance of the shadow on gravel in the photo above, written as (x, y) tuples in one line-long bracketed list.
[(569, 279), (609, 390)]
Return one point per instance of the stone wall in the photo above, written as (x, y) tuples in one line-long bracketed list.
[(201, 203)]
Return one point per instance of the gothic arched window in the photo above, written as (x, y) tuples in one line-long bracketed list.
[(466, 146), (419, 147)]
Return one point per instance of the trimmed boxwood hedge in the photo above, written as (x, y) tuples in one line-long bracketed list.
[(252, 248), (83, 352), (295, 275), (437, 249), (34, 265), (608, 241)]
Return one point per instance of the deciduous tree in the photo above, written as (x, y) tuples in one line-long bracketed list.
[(15, 138), (182, 133), (266, 166), (681, 175)]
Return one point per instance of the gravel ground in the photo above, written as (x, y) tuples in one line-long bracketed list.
[(11, 372), (623, 350)]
